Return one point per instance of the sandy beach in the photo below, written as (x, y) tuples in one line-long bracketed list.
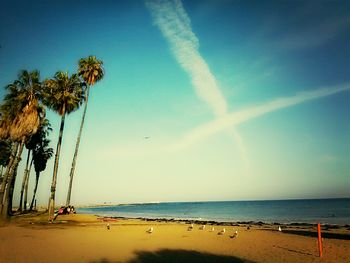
[(85, 238)]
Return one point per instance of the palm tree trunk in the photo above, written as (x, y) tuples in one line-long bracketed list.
[(11, 191), (24, 182), (1, 171), (8, 194), (1, 175), (51, 206), (26, 185), (35, 189), (71, 175), (6, 176)]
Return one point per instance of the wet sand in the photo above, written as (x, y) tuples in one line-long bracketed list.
[(85, 238)]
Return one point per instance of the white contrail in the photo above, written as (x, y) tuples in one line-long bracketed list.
[(236, 118), (175, 25)]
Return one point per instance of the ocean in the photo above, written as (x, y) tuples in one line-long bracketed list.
[(325, 211)]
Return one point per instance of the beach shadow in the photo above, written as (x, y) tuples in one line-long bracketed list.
[(295, 251), (175, 256), (103, 260), (169, 255)]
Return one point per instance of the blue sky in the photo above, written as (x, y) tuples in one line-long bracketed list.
[(241, 99)]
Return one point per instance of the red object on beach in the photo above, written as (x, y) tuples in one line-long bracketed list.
[(319, 239)]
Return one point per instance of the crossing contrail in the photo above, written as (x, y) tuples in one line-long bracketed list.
[(175, 25), (235, 118)]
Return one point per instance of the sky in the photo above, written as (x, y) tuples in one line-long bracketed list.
[(201, 100)]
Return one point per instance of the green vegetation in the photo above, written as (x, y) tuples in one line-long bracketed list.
[(91, 70), (23, 124)]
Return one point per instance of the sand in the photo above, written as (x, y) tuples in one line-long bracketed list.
[(85, 238)]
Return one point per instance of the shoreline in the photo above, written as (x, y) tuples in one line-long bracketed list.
[(304, 229), (219, 222), (326, 226)]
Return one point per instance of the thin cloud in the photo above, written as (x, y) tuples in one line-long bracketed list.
[(222, 124), (235, 118), (175, 25)]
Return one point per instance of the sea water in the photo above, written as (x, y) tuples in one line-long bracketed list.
[(326, 211)]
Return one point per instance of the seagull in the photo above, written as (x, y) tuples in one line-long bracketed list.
[(222, 232), (190, 228), (212, 229), (108, 226), (150, 231), (235, 234), (280, 229), (202, 227)]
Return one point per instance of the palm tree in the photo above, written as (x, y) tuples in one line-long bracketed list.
[(19, 120), (91, 70), (5, 178), (63, 94), (41, 154), (7, 113), (34, 141)]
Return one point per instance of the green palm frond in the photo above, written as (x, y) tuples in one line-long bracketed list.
[(5, 152), (91, 69), (20, 108), (41, 155), (64, 93), (42, 133)]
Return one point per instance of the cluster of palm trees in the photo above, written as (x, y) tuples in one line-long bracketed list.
[(23, 125)]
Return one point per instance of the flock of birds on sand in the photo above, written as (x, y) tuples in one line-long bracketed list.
[(202, 227), (190, 228)]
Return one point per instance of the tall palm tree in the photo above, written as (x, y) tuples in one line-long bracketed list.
[(41, 154), (91, 70), (31, 144), (63, 94), (7, 113), (5, 178), (20, 114)]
